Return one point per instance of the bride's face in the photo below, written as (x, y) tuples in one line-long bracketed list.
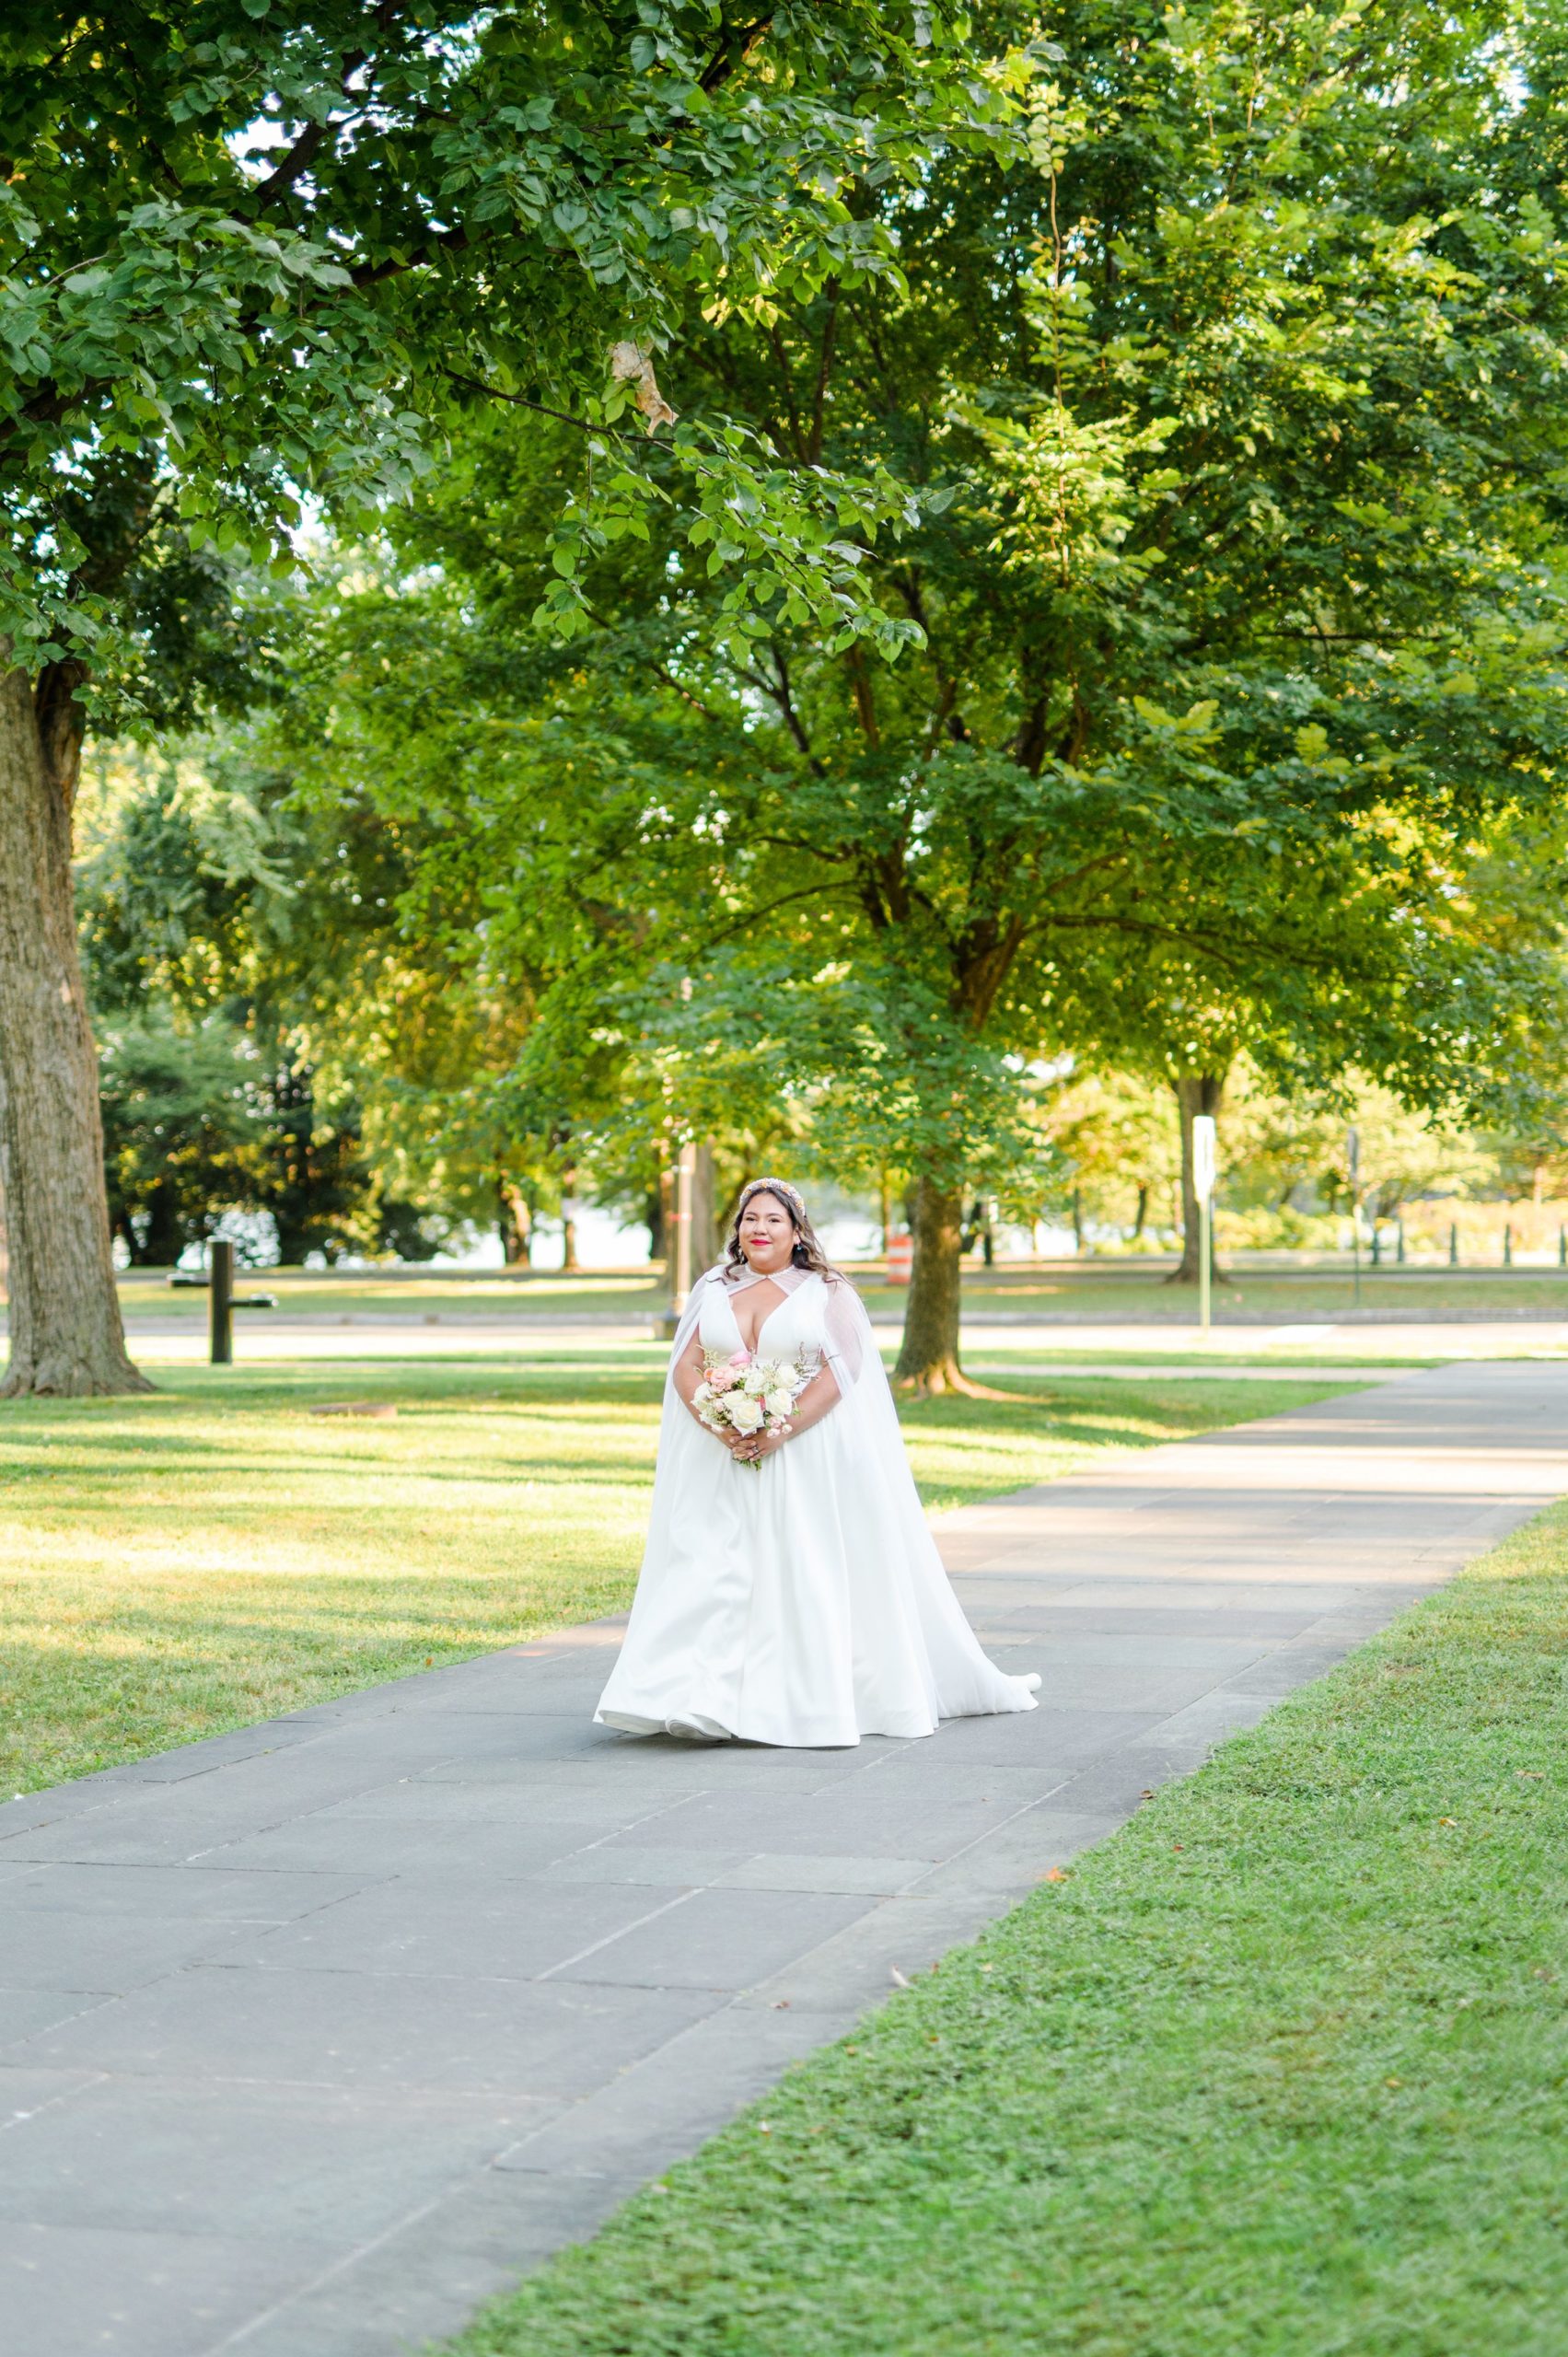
[(767, 1234)]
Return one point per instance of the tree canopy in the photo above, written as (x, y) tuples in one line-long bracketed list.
[(1178, 397), (283, 241), (1234, 413)]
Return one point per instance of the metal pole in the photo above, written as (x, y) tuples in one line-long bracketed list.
[(685, 1171), (220, 1302)]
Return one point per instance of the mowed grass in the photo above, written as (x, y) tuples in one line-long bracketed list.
[(214, 1554), (1281, 2070), (1252, 1293), (404, 1293), (1107, 1291)]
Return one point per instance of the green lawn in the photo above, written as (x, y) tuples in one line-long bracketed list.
[(173, 1565), (407, 1292), (1259, 1293), (1281, 2070), (1126, 1289)]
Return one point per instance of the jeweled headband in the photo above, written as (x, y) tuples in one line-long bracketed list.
[(780, 1187)]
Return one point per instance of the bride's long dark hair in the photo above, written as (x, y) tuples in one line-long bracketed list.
[(806, 1250)]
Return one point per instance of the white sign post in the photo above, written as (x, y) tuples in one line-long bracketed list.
[(1204, 1188)]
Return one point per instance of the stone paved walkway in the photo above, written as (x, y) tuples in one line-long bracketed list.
[(314, 2036)]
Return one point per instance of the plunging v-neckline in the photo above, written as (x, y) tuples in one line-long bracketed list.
[(751, 1348)]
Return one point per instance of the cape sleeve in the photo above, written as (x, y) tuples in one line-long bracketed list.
[(692, 1317), (847, 1334)]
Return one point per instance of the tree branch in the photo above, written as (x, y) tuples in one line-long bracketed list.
[(778, 692), (301, 156), (734, 53), (371, 274), (787, 374), (945, 712), (811, 892), (824, 370), (540, 409)]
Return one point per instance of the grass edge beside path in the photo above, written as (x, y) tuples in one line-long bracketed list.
[(1279, 2069)]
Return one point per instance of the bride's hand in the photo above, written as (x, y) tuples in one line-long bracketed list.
[(763, 1444)]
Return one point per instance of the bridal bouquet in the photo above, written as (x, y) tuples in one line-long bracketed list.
[(745, 1395)]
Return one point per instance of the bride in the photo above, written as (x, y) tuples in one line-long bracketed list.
[(797, 1599)]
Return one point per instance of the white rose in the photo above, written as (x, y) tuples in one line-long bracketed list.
[(745, 1413), (703, 1394), (787, 1375), (779, 1403), (754, 1381)]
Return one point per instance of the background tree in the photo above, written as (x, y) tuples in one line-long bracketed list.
[(1235, 417), (270, 243), (1115, 1142), (234, 953), (180, 1126), (180, 629)]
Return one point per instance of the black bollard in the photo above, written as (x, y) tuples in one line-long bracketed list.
[(220, 1304)]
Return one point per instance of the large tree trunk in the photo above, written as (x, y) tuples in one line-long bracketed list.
[(66, 1335), (1195, 1093), (516, 1223), (569, 1261), (705, 1244), (165, 1238), (928, 1361)]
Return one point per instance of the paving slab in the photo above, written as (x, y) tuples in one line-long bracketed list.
[(69, 2289), (367, 2029), (220, 2157), (315, 2036)]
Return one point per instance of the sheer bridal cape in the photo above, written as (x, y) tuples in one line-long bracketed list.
[(802, 1601)]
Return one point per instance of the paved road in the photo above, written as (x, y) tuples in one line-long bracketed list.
[(314, 2036)]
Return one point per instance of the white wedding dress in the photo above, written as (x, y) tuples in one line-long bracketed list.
[(801, 1601)]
